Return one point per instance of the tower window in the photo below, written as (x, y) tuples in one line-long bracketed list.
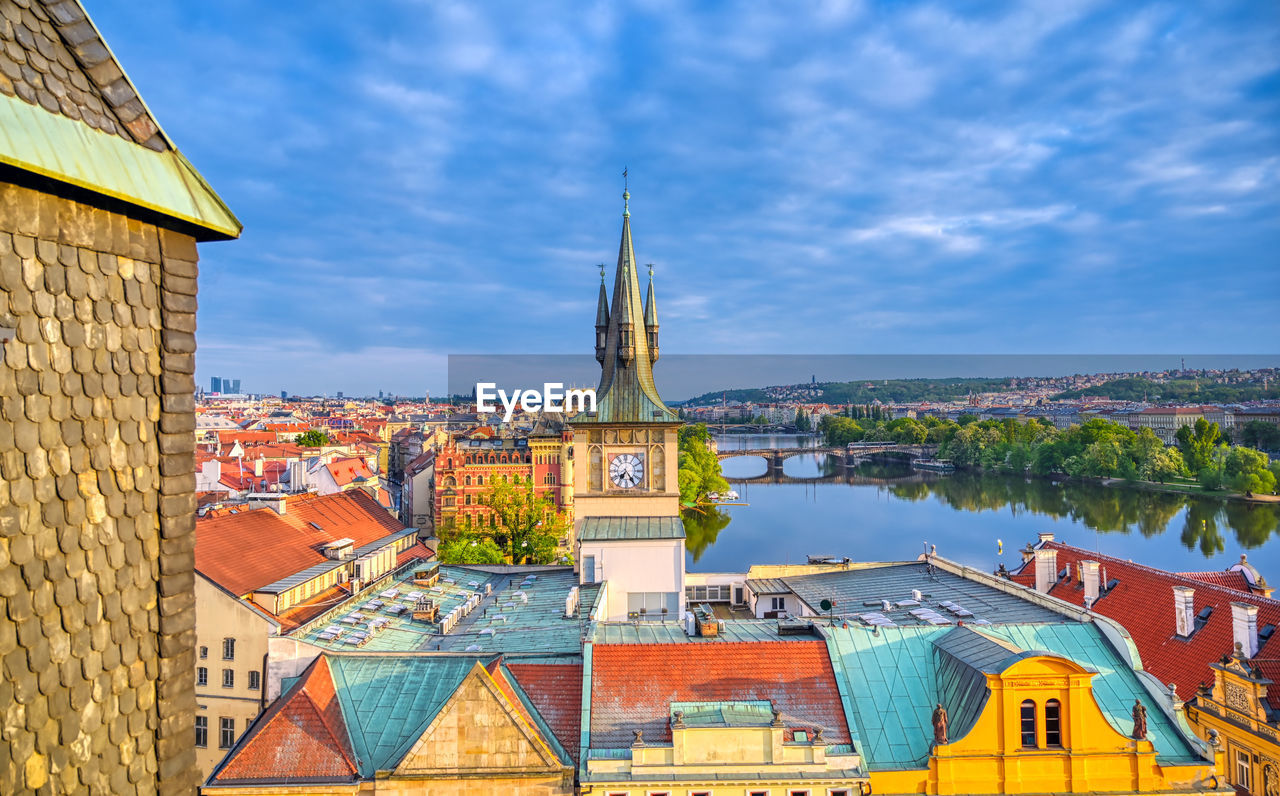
[(1028, 724), (1053, 723)]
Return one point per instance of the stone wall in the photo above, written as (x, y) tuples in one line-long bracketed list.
[(96, 501)]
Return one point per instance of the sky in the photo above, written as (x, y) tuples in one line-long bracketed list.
[(420, 179)]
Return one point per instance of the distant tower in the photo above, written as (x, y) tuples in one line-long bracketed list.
[(215, 384)]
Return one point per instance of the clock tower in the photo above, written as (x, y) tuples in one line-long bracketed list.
[(625, 457)]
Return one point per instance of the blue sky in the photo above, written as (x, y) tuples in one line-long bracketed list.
[(419, 179)]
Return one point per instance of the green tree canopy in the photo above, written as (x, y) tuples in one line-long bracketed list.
[(699, 468), (313, 438)]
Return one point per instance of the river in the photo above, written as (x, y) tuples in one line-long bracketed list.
[(888, 512)]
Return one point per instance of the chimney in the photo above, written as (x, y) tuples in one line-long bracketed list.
[(1089, 576), (1046, 569), (1045, 537), (1184, 612), (257, 467), (1244, 628)]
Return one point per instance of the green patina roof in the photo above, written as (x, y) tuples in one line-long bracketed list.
[(627, 392), (612, 529), (389, 700), (62, 149), (751, 713), (921, 666)]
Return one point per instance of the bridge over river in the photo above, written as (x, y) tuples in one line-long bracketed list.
[(851, 456)]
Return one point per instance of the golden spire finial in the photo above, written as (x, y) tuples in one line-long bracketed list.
[(626, 193)]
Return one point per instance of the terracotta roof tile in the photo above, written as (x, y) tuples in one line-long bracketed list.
[(250, 549), (1142, 601), (633, 685), (1231, 579), (556, 691), (301, 737)]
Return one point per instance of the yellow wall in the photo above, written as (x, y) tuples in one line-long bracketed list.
[(219, 615), (1094, 756)]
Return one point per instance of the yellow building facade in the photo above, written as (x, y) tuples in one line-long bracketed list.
[(1234, 712)]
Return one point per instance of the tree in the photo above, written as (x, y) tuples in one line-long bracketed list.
[(1246, 470), (470, 548), (804, 423), (1197, 443), (314, 438), (1260, 434), (527, 528), (699, 468)]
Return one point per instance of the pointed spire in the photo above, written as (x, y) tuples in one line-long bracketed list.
[(602, 318), (651, 319), (628, 347)]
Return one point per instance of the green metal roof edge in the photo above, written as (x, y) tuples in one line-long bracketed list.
[(584, 730), (846, 696), (65, 150)]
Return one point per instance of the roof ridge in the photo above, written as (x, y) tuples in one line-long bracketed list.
[(1161, 572), (349, 758)]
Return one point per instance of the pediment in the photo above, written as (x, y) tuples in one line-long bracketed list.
[(479, 731)]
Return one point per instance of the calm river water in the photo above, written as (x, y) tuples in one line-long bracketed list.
[(889, 512)]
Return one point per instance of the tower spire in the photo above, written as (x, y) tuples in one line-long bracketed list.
[(602, 318), (651, 319)]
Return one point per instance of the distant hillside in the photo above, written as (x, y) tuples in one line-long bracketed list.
[(1176, 390), (863, 391)]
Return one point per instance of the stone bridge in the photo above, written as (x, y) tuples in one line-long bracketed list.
[(845, 457), (843, 476)]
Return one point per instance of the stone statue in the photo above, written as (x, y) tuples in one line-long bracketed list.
[(1139, 719), (940, 724), (639, 741)]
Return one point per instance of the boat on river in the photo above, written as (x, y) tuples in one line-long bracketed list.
[(934, 465)]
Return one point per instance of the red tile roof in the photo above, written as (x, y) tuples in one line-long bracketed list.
[(556, 691), (1142, 602), (418, 551), (250, 549), (1231, 579), (301, 737), (348, 470), (633, 685)]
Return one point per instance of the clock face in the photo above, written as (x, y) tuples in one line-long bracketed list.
[(626, 470)]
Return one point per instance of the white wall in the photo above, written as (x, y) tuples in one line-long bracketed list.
[(637, 566)]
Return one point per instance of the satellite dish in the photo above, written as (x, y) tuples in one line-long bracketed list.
[(827, 605)]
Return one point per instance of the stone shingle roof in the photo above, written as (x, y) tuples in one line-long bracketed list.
[(54, 57)]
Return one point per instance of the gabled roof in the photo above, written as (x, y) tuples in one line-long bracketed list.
[(1142, 601), (251, 549), (303, 736), (1230, 579), (633, 686), (70, 114), (389, 700)]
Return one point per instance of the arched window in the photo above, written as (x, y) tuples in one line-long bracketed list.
[(467, 481), (1028, 724), (479, 480), (450, 481), (1053, 723), (468, 499)]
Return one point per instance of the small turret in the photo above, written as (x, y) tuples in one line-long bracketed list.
[(651, 319), (602, 319)]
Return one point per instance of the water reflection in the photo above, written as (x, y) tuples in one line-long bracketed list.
[(870, 506)]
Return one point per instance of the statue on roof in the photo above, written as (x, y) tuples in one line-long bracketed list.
[(1139, 719), (940, 724)]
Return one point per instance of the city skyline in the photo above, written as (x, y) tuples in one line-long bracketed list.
[(1087, 178)]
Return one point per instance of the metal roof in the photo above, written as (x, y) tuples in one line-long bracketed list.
[(858, 591), (613, 529), (768, 586), (750, 713), (906, 662), (62, 149)]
